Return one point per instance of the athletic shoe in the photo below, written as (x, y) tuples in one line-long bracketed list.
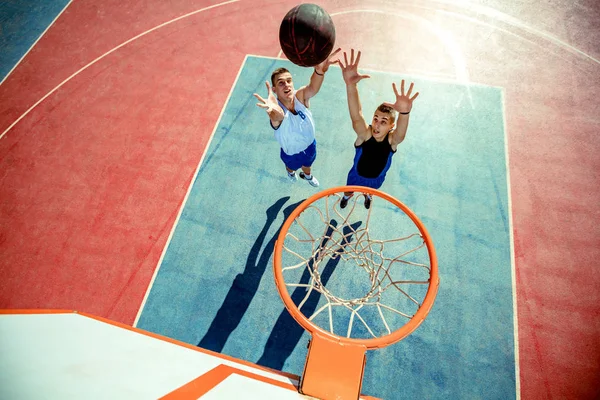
[(291, 177), (313, 181), (344, 202)]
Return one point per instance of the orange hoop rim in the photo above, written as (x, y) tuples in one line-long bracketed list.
[(314, 329)]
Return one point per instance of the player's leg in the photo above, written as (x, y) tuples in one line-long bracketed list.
[(353, 179), (291, 165), (374, 183), (308, 158)]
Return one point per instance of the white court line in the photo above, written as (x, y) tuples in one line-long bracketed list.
[(109, 52), (513, 267), (187, 195), (34, 43)]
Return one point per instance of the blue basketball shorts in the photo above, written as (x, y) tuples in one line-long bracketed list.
[(305, 158), (354, 179)]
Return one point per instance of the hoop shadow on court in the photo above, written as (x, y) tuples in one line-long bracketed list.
[(245, 285), (287, 332)]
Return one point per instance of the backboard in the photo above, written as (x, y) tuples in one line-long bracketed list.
[(65, 354)]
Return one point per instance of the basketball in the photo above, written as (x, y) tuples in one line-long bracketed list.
[(307, 35)]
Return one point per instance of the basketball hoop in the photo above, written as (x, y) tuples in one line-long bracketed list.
[(360, 279)]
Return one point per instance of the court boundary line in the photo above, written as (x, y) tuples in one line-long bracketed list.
[(187, 194), (94, 61), (513, 265), (35, 42)]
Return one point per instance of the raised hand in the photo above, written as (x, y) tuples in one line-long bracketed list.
[(350, 70), (324, 66), (403, 102), (270, 103)]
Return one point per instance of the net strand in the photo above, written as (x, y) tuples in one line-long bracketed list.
[(347, 243)]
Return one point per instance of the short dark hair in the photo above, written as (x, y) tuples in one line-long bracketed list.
[(388, 110), (278, 71)]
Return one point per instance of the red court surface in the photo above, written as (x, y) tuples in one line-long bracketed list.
[(92, 178)]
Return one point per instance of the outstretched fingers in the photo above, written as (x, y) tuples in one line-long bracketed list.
[(268, 85), (402, 92), (333, 55), (357, 58), (410, 88), (263, 102)]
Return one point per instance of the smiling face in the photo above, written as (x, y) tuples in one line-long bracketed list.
[(283, 85), (383, 121)]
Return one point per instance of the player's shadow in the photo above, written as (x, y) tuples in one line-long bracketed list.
[(287, 332), (246, 284)]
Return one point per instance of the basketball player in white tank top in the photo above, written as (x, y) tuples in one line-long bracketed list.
[(291, 119)]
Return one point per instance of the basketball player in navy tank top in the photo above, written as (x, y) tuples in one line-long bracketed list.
[(292, 120), (375, 144)]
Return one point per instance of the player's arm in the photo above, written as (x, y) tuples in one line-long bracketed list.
[(359, 124), (399, 132), (403, 106), (316, 79), (351, 78), (273, 109)]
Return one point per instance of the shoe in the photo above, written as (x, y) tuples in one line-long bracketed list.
[(367, 202), (313, 181), (344, 202), (292, 177)]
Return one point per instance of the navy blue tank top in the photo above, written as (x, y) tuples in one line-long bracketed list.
[(374, 157)]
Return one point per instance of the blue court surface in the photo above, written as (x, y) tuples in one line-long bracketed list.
[(215, 287), (22, 23)]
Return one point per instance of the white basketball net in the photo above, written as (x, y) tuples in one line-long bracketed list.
[(387, 290)]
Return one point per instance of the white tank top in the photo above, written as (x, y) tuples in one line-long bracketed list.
[(297, 131)]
